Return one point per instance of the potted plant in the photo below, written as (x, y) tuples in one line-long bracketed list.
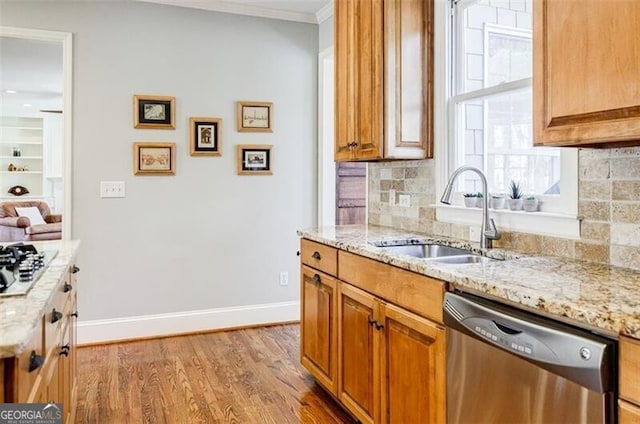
[(497, 201), (470, 200), (530, 204), (515, 196)]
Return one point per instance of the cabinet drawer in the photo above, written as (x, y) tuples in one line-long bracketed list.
[(25, 380), (630, 369), (319, 256), (418, 293)]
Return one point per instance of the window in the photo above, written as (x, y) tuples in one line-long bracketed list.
[(489, 111)]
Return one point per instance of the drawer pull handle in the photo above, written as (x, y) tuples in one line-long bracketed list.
[(316, 279), (379, 326), (67, 287), (35, 361), (64, 350), (55, 316), (371, 321), (74, 269), (316, 255), (75, 314)]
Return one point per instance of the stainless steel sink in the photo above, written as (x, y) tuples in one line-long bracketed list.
[(425, 250), (434, 252)]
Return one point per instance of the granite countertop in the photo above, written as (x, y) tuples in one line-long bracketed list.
[(594, 296), (19, 315)]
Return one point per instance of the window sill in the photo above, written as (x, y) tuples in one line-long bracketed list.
[(543, 223)]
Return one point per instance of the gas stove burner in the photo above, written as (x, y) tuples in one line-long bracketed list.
[(21, 263)]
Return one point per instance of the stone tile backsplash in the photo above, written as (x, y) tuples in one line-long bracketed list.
[(608, 202)]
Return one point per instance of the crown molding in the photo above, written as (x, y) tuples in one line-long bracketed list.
[(325, 13), (240, 9)]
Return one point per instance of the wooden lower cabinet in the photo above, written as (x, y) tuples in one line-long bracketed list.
[(392, 362), (628, 413), (319, 339)]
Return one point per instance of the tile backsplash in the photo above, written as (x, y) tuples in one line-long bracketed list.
[(608, 202)]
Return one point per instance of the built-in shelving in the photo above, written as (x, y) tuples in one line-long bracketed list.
[(26, 136)]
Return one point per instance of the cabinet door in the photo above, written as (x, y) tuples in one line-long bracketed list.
[(358, 79), (358, 342), (628, 413), (414, 369), (408, 79), (318, 327), (586, 66)]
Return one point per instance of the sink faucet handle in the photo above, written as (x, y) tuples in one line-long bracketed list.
[(492, 232)]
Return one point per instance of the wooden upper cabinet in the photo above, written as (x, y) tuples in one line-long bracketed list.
[(586, 83), (383, 79)]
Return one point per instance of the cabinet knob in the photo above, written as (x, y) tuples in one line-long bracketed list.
[(75, 314), (379, 326), (35, 361), (298, 253), (316, 279), (352, 144), (55, 316), (64, 350), (316, 255), (371, 321), (67, 287), (75, 269)]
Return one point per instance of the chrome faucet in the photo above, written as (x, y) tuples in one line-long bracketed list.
[(489, 230)]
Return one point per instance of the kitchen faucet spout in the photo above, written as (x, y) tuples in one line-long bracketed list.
[(489, 230)]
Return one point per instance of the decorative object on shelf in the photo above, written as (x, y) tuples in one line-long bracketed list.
[(154, 112), (497, 201), (16, 152), (205, 136), (154, 158), (254, 159), (515, 196), (18, 190), (530, 204), (470, 200), (254, 116), (11, 167)]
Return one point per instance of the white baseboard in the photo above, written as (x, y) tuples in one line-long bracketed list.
[(110, 330)]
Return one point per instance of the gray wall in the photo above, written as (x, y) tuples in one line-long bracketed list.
[(206, 237), (325, 33)]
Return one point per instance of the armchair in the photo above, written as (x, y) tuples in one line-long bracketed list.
[(18, 228)]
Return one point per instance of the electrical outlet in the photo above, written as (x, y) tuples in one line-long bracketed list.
[(284, 278), (405, 200), (111, 188), (392, 197)]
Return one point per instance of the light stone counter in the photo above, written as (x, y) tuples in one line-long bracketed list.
[(19, 315), (599, 297)]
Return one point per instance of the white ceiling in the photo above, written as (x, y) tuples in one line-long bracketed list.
[(34, 70)]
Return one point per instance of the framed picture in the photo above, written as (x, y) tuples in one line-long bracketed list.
[(154, 158), (254, 117), (154, 112), (254, 159), (204, 136)]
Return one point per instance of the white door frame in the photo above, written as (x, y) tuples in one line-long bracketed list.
[(326, 163)]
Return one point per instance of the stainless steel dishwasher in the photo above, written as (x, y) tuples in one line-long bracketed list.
[(506, 366)]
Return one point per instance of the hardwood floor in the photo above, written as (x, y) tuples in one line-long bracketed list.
[(242, 376)]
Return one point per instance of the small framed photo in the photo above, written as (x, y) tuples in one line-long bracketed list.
[(254, 116), (204, 136), (154, 112), (154, 158), (254, 159)]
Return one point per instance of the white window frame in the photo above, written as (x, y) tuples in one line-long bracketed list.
[(560, 221)]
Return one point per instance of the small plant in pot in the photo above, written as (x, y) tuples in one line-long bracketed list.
[(470, 200), (497, 201), (530, 204), (515, 196)]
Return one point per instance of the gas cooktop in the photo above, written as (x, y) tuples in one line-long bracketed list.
[(20, 267)]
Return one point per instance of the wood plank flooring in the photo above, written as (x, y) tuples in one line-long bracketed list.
[(242, 376)]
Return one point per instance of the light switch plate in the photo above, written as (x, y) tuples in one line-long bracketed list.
[(112, 189)]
